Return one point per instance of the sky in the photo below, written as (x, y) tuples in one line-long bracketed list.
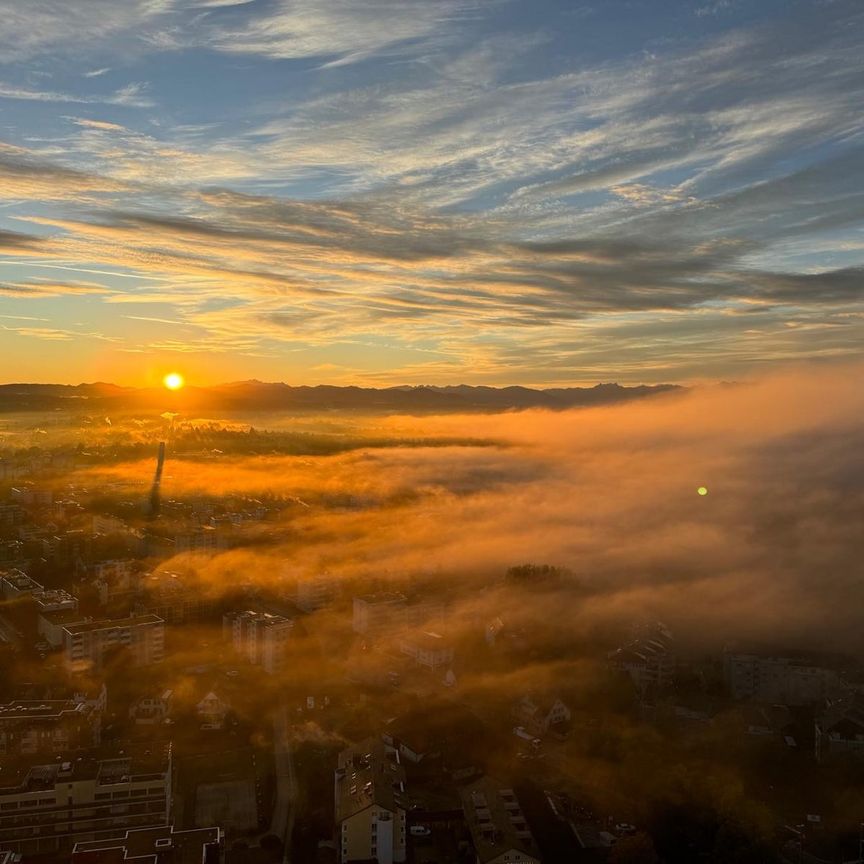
[(383, 192)]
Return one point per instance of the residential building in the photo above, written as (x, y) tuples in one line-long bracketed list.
[(15, 584), (538, 714), (373, 613), (212, 710), (108, 525), (171, 596), (370, 804), (498, 827), (47, 726), (88, 645), (45, 808), (162, 845), (315, 592), (51, 623), (152, 710), (427, 649), (789, 678), (839, 727), (260, 636), (54, 600), (649, 659), (201, 538)]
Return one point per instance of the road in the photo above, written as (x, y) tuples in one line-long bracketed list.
[(282, 823)]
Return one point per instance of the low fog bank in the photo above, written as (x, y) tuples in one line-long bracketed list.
[(772, 552)]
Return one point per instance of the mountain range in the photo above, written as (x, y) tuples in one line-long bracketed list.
[(261, 396)]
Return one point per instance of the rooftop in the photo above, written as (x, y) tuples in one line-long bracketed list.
[(133, 621), (35, 709), (105, 765), (367, 775), (383, 597), (496, 821), (146, 845)]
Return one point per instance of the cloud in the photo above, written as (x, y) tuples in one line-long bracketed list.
[(130, 96), (50, 289), (346, 30), (26, 175), (478, 212)]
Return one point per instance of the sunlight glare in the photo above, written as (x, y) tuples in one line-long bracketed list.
[(173, 380)]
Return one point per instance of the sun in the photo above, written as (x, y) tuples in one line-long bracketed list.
[(173, 381)]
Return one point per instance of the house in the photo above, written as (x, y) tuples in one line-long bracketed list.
[(539, 714), (152, 710), (212, 711), (648, 659)]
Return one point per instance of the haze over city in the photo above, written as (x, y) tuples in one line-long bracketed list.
[(431, 432)]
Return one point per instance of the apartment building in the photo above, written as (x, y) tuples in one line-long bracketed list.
[(15, 585), (370, 804), (87, 645), (498, 827), (48, 726), (314, 592), (261, 637), (788, 679), (162, 844), (427, 649), (373, 613), (47, 807)]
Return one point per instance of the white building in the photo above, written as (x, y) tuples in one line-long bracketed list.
[(427, 649), (370, 804), (87, 645), (46, 808), (260, 636)]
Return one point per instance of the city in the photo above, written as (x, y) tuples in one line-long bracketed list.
[(196, 659), (431, 431)]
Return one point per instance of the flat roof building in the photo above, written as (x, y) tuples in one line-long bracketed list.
[(262, 637), (45, 808), (162, 845), (370, 804), (498, 827), (87, 644), (48, 726)]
